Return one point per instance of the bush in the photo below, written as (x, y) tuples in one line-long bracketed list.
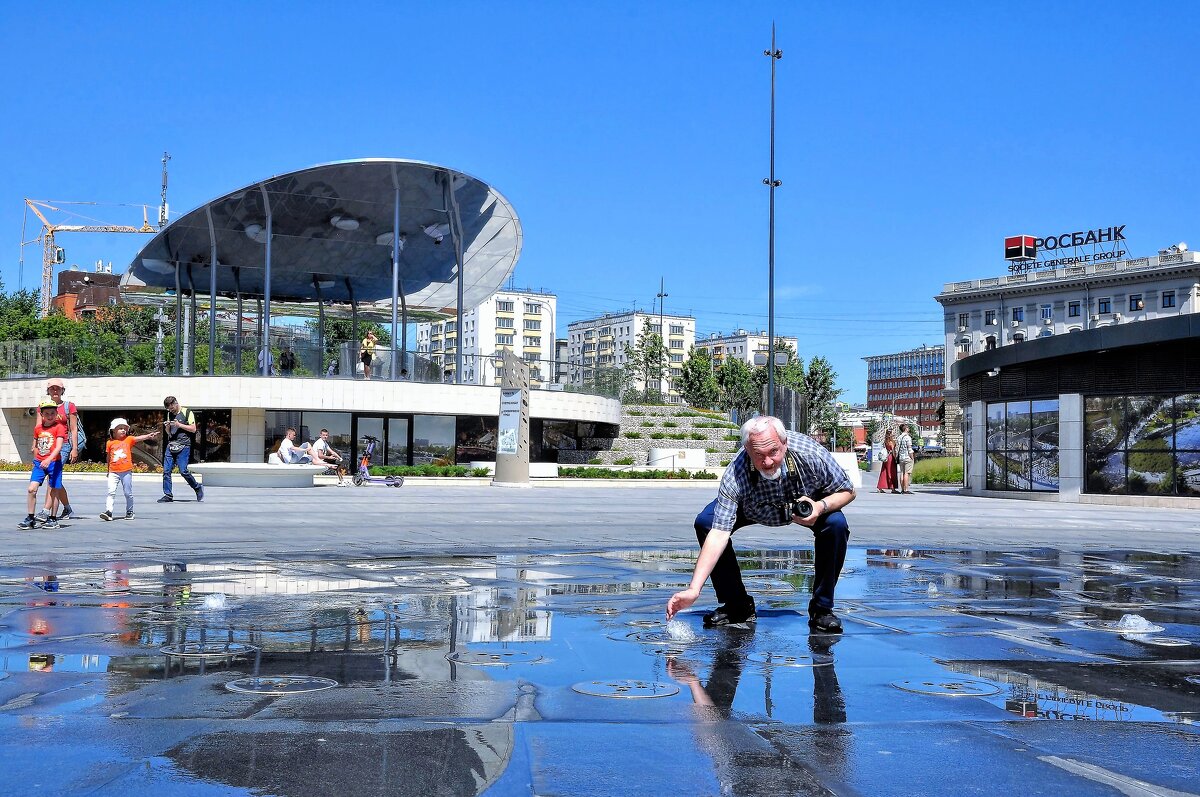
[(657, 435), (634, 412), (733, 438), (426, 470), (595, 461), (863, 465), (938, 470), (710, 451), (623, 461), (604, 473), (647, 424), (697, 436), (670, 424), (631, 435)]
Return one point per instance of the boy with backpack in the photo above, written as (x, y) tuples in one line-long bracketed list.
[(48, 435), (73, 444), (119, 455)]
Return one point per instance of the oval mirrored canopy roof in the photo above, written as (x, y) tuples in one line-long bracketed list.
[(332, 230)]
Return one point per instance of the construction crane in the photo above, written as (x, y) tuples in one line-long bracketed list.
[(53, 254)]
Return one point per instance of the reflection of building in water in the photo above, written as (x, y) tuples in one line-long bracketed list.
[(1033, 695), (493, 614)]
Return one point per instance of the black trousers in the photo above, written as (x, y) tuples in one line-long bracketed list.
[(830, 536)]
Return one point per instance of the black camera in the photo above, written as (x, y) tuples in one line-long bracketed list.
[(802, 507)]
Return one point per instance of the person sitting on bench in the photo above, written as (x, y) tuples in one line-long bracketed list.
[(292, 454)]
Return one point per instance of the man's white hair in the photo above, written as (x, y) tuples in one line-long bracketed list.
[(760, 424)]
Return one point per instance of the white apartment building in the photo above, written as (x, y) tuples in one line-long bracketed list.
[(741, 344), (518, 321), (599, 343)]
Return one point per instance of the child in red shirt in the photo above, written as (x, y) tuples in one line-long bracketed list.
[(48, 436), (119, 455)]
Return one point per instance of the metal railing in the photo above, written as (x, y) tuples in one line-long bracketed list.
[(297, 356)]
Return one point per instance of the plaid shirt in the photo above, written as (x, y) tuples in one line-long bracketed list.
[(766, 502)]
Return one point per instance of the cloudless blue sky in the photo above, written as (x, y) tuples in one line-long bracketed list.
[(631, 137)]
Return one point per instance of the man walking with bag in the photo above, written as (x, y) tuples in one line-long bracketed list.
[(180, 434)]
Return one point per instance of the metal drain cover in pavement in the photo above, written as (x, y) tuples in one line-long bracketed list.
[(948, 688), (1116, 627), (626, 689), (281, 684), (647, 623), (208, 650), (1161, 641), (605, 610), (493, 658), (665, 651), (790, 659)]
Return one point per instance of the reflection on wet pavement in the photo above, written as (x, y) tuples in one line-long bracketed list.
[(556, 675)]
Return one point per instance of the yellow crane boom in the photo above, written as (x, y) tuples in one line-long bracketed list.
[(53, 255)]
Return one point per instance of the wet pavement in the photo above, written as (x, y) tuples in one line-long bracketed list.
[(1034, 671)]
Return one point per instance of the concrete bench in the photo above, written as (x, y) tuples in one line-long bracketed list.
[(255, 474)]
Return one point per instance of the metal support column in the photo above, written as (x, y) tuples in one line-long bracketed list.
[(191, 323), (212, 293), (353, 325), (394, 372), (320, 328), (178, 323), (237, 342), (456, 240), (265, 315)]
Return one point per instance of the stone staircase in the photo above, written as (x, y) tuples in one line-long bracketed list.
[(652, 426)]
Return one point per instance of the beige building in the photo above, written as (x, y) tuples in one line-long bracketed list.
[(597, 344), (741, 344), (518, 321)]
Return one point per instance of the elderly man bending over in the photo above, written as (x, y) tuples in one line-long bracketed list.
[(775, 473)]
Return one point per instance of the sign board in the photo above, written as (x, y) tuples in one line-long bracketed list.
[(510, 421), (1106, 243), (512, 447)]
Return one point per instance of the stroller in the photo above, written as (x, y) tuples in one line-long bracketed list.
[(363, 476)]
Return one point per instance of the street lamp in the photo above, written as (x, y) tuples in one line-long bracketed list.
[(771, 184)]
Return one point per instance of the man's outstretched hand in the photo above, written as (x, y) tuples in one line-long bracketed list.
[(680, 601)]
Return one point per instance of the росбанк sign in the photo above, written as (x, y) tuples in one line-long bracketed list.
[(1022, 250)]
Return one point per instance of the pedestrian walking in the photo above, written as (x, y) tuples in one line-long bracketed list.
[(119, 455), (179, 435)]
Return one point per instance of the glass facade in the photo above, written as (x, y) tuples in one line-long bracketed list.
[(1022, 445), (1142, 445)]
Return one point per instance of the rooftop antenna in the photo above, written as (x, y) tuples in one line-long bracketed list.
[(162, 208)]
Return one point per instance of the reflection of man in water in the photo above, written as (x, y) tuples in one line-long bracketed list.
[(733, 745)]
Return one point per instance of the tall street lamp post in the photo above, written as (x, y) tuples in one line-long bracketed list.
[(771, 184)]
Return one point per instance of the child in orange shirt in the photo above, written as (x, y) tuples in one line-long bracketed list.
[(120, 465), (48, 436)]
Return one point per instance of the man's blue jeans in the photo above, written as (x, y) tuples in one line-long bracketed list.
[(181, 459), (830, 536)]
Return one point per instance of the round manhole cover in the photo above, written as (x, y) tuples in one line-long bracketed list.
[(493, 658), (626, 689), (1117, 627), (1162, 641), (208, 650), (647, 623), (1067, 614), (605, 610), (790, 659), (281, 684), (964, 688)]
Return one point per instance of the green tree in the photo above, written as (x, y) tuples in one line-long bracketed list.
[(646, 362), (739, 388), (698, 384), (820, 386)]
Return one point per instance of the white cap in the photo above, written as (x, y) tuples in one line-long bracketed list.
[(118, 422)]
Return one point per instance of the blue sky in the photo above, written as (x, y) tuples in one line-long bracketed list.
[(632, 137)]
